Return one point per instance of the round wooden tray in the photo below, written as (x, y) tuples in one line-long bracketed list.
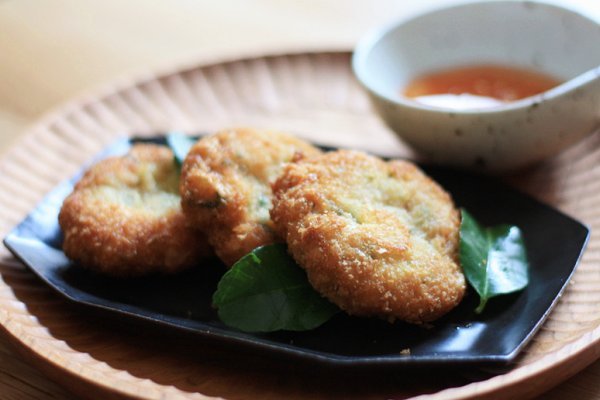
[(311, 95)]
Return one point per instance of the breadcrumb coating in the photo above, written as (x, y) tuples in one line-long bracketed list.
[(124, 217), (376, 238), (225, 186)]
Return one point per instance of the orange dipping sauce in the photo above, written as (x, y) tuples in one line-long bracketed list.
[(481, 85)]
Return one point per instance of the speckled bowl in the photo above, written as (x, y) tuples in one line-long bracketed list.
[(538, 36)]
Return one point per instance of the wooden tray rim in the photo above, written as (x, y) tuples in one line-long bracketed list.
[(574, 356)]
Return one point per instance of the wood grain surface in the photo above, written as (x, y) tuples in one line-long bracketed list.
[(54, 50)]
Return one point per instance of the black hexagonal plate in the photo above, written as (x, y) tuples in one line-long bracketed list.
[(554, 243)]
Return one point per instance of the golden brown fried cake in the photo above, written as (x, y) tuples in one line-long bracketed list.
[(225, 186), (124, 217), (375, 238)]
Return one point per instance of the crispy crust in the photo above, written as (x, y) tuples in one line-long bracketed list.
[(376, 238), (124, 217), (225, 186)]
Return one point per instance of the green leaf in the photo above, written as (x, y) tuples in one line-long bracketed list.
[(493, 259), (181, 145), (267, 291)]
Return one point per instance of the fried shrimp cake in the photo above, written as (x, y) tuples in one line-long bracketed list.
[(376, 238), (124, 217), (225, 186)]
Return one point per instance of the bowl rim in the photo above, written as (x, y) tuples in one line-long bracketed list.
[(372, 38)]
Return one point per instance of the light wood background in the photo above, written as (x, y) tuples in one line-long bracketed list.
[(53, 50)]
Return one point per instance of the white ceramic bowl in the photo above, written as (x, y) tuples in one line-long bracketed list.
[(537, 36)]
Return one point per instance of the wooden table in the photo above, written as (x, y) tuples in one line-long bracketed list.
[(52, 50)]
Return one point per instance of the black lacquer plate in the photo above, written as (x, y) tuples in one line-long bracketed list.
[(554, 243)]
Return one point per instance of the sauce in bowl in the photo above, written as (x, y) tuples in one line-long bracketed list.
[(477, 86)]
